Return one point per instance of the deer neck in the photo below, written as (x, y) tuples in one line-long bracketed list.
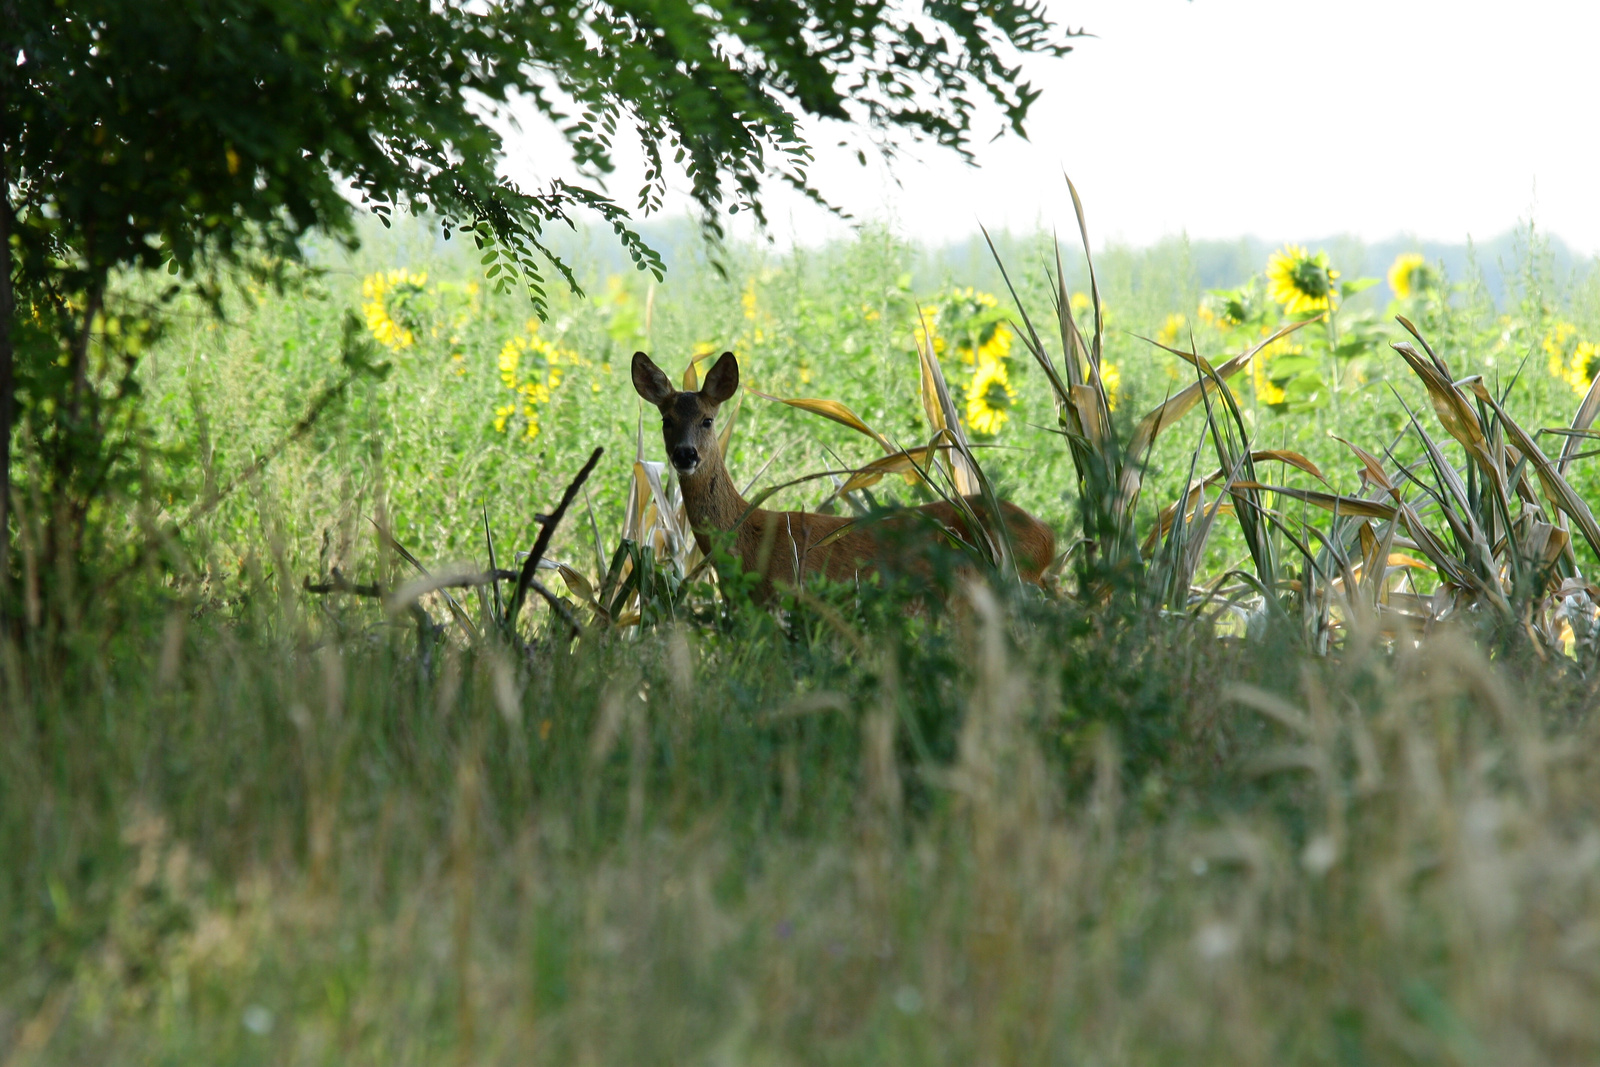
[(710, 498)]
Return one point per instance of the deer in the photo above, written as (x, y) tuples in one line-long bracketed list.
[(787, 547)]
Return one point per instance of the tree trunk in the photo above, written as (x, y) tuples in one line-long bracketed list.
[(7, 376), (8, 306)]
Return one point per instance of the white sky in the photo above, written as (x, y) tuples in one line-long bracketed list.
[(1282, 119)]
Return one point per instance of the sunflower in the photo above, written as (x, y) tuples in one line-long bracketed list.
[(989, 398), (1269, 392), (1558, 343), (748, 300), (755, 313), (531, 390), (1410, 275), (1266, 392), (1111, 378), (1300, 281), (1171, 329), (926, 333), (1228, 309), (383, 291), (975, 325), (1083, 308), (1585, 364), (1572, 359), (997, 346)]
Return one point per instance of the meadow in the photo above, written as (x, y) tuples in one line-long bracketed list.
[(1300, 771)]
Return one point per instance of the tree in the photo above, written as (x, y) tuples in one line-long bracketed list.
[(193, 135)]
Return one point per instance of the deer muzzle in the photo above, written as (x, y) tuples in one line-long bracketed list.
[(685, 458)]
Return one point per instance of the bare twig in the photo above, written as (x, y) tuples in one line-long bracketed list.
[(456, 610), (558, 607), (547, 529), (7, 376), (339, 584), (494, 567)]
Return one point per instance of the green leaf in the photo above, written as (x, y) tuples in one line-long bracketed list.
[(1287, 367)]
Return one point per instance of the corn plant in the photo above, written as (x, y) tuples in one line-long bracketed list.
[(1495, 533), (1501, 543), (1110, 470)]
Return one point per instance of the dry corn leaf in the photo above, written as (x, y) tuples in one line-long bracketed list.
[(1556, 489), (1176, 406), (1293, 459), (691, 373), (429, 582), (1086, 401), (666, 513), (1423, 539), (1546, 542), (1455, 414), (1581, 421), (928, 389), (576, 582), (1369, 463), (912, 460), (1094, 285), (1169, 513), (1463, 517), (1345, 505), (963, 469), (581, 588), (832, 410)]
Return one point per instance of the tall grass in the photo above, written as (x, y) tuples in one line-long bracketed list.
[(1020, 837), (246, 822)]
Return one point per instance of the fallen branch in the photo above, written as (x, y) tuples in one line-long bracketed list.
[(559, 607), (456, 610), (547, 529), (338, 583)]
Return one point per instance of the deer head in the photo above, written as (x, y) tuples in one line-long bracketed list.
[(687, 418)]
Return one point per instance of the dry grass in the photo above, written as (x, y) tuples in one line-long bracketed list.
[(1393, 859)]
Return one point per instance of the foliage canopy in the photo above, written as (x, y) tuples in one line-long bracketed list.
[(149, 134), (195, 134)]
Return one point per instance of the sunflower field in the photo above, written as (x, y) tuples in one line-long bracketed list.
[(406, 723), (480, 409)]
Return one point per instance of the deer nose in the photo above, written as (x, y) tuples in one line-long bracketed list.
[(685, 457)]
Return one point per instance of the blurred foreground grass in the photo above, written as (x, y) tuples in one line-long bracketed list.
[(1016, 835)]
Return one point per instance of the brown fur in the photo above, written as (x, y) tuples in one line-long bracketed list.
[(781, 546)]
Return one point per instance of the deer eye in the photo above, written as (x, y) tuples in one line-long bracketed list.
[(706, 424)]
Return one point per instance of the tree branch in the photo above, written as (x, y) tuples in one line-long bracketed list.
[(546, 530)]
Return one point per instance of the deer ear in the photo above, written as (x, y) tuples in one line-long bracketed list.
[(722, 381), (649, 381)]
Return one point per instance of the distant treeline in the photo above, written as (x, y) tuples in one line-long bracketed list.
[(1225, 264), (1174, 263)]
